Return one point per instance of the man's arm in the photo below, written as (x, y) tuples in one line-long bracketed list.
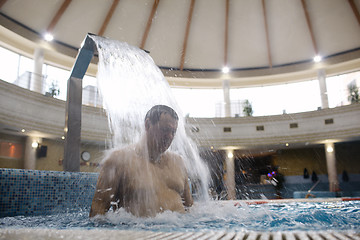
[(105, 190), (188, 200)]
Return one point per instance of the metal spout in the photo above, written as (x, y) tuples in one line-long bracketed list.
[(72, 128)]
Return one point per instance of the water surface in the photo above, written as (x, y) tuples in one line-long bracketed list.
[(212, 216)]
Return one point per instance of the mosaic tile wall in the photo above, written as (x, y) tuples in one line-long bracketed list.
[(31, 192)]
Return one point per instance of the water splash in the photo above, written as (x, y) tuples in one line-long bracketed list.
[(210, 216), (131, 84)]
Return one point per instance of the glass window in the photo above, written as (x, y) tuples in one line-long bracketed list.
[(26, 67), (279, 99), (89, 81), (57, 80), (198, 102), (90, 94), (338, 88), (268, 100), (9, 62)]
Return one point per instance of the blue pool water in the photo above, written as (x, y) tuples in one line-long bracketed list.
[(214, 216)]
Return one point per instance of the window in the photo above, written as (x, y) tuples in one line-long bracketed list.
[(273, 100), (57, 78), (10, 62), (198, 102)]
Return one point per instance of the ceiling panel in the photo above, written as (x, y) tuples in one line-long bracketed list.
[(247, 38), (167, 32), (206, 38), (79, 19), (335, 26), (290, 39), (35, 14), (129, 21)]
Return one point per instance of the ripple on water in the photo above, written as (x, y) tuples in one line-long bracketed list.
[(215, 216)]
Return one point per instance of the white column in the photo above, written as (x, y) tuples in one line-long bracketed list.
[(331, 167), (30, 153), (230, 174), (323, 90), (36, 76), (226, 89)]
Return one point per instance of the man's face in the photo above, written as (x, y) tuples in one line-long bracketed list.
[(161, 134)]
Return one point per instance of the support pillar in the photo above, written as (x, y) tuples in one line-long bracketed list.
[(227, 106), (323, 90), (30, 153), (331, 167), (37, 83), (230, 175)]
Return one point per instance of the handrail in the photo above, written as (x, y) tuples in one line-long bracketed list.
[(312, 188)]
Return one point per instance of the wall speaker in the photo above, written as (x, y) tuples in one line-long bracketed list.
[(41, 151)]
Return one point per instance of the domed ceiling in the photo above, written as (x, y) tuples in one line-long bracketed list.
[(192, 40)]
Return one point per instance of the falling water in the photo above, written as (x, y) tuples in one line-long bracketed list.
[(130, 84)]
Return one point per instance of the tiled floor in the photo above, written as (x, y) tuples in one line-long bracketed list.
[(54, 234)]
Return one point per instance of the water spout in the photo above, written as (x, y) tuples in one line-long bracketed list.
[(72, 128), (131, 84)]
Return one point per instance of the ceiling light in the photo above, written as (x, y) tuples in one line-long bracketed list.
[(48, 37), (317, 58), (225, 70), (23, 130), (230, 155)]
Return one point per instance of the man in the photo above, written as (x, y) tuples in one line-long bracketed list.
[(145, 178)]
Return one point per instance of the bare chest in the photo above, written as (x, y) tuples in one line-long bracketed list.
[(157, 177)]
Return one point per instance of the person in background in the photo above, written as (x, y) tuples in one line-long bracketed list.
[(277, 180)]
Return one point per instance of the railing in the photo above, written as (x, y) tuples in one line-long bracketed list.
[(50, 87)]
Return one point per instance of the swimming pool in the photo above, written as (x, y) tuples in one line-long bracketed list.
[(48, 205), (211, 216)]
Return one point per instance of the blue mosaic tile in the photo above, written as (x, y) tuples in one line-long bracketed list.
[(31, 192)]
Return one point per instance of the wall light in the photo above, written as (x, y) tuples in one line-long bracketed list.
[(34, 144), (230, 155), (329, 149)]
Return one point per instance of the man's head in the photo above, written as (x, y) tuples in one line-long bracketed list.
[(160, 124)]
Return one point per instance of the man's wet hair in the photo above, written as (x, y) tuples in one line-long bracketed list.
[(155, 112)]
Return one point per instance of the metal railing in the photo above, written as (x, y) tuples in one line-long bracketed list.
[(50, 87)]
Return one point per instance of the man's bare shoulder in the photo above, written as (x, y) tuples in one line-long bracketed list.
[(172, 155), (118, 157), (174, 158)]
